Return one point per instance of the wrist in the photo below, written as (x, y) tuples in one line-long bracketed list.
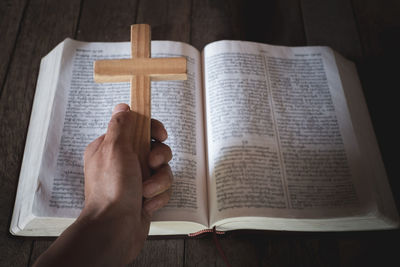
[(106, 214), (113, 233)]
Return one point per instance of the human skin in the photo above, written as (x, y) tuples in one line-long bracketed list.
[(114, 223)]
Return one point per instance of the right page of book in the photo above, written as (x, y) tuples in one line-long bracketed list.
[(281, 142)]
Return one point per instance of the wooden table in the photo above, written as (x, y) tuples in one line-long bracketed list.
[(364, 31)]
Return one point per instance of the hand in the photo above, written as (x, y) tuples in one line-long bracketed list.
[(112, 170), (114, 223), (113, 180)]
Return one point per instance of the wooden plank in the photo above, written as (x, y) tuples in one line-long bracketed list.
[(278, 22), (379, 27), (106, 21), (169, 252), (10, 18), (211, 21), (240, 250), (332, 23), (369, 249), (169, 20), (256, 248), (291, 250), (201, 251), (45, 24), (156, 253), (39, 247)]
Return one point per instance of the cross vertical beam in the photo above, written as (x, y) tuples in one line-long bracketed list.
[(140, 70), (141, 94)]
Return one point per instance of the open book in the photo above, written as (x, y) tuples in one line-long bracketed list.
[(263, 137)]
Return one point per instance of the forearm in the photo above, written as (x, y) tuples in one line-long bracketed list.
[(100, 241)]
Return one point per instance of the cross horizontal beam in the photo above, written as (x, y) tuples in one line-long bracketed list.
[(139, 71), (122, 70)]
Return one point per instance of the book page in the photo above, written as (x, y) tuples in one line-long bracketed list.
[(367, 141), (36, 138), (82, 111), (280, 138)]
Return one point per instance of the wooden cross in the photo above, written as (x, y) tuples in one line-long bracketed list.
[(139, 70)]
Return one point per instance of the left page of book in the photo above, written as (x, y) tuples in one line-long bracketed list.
[(81, 112)]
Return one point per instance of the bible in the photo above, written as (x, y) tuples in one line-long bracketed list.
[(263, 137)]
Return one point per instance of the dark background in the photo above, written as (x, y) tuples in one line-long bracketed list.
[(366, 32)]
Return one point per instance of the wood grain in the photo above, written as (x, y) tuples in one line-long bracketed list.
[(138, 71), (140, 100), (211, 21), (158, 69), (369, 249), (141, 104), (157, 253), (280, 22), (106, 21), (39, 247), (378, 24), (239, 251), (322, 26), (10, 19), (140, 41), (169, 20)]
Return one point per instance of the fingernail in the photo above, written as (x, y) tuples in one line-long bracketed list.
[(120, 108)]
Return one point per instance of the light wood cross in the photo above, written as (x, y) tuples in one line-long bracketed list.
[(139, 71)]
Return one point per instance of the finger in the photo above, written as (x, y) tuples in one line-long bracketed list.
[(158, 131), (158, 183), (159, 155), (120, 125), (93, 146), (156, 203)]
